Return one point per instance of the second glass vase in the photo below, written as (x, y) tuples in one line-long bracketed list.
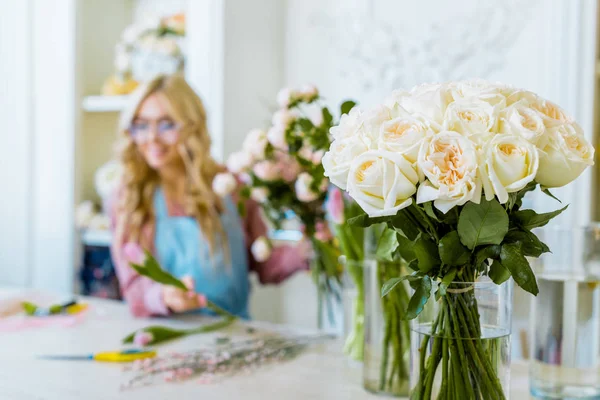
[(387, 334)]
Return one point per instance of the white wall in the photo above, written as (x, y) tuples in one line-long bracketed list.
[(39, 105), (365, 48), (15, 152)]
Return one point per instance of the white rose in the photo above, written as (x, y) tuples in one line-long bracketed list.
[(259, 194), (302, 186), (472, 118), (524, 121), (551, 114), (492, 93), (266, 170), (449, 161), (382, 182), (223, 184), (239, 162), (283, 117), (511, 162), (284, 97), (349, 125), (339, 157), (564, 157), (428, 100), (404, 135), (396, 98), (276, 136), (255, 143), (372, 120), (261, 249)]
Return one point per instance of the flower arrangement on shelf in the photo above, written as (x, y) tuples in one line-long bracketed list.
[(281, 170), (87, 214), (147, 48), (446, 167)]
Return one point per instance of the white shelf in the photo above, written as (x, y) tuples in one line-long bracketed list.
[(104, 103), (91, 237)]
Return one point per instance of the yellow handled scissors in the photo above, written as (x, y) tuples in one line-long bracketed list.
[(108, 356)]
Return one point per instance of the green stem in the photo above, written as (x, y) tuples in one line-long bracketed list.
[(444, 389), (461, 351), (425, 217)]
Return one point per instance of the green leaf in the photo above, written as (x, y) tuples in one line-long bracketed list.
[(446, 281), (152, 270), (487, 252), (241, 206), (529, 219), (405, 248), (347, 106), (498, 273), (516, 199), (452, 252), (364, 221), (327, 117), (387, 245), (484, 223), (305, 124), (513, 260), (159, 334), (391, 284), (419, 298), (426, 252), (403, 223), (547, 192), (414, 265), (429, 210), (531, 246)]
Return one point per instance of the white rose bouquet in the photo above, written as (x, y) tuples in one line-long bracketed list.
[(282, 171), (446, 167)]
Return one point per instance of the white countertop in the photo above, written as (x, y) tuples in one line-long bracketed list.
[(322, 372)]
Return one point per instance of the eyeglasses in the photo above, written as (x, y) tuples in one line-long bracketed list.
[(166, 130)]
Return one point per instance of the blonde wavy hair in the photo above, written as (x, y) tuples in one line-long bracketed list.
[(140, 181)]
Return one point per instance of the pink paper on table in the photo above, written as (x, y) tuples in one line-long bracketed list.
[(17, 323)]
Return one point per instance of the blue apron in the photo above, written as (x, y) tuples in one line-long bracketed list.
[(182, 250)]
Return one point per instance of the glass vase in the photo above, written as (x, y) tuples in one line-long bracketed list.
[(387, 334), (565, 316), (353, 298), (461, 343)]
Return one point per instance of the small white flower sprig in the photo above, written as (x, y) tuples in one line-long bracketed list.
[(226, 358), (446, 166)]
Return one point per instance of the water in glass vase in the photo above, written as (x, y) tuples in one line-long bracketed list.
[(494, 344), (565, 354)]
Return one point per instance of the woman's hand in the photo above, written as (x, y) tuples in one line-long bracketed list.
[(179, 301)]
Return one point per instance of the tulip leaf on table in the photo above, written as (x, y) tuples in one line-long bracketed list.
[(151, 269), (154, 335)]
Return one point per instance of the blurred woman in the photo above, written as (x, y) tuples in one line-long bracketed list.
[(166, 204)]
